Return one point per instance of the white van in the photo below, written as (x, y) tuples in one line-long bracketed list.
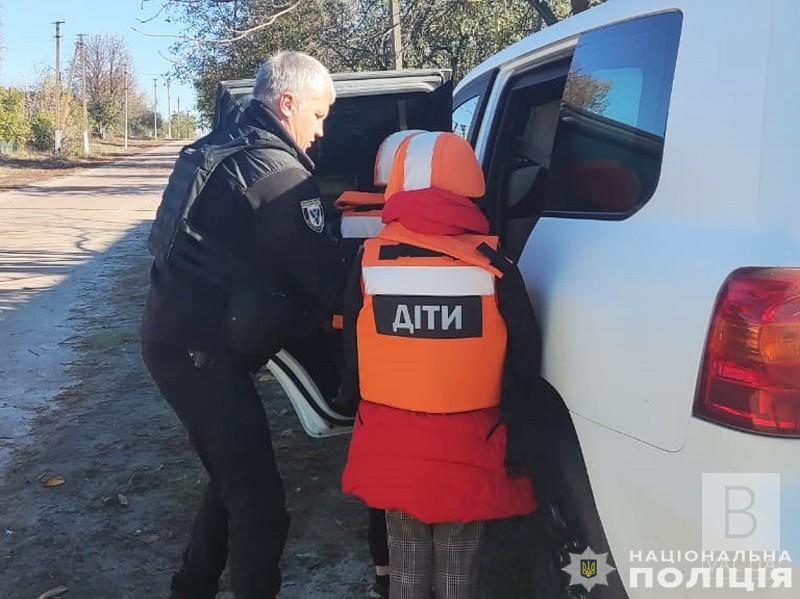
[(641, 159)]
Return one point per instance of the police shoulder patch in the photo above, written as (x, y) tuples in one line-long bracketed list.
[(313, 214)]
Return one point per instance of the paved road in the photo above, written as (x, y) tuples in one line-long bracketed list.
[(56, 238), (49, 229)]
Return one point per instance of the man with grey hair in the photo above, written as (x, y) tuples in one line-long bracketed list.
[(250, 267), (309, 82)]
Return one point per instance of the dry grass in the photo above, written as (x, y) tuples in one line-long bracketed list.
[(28, 167)]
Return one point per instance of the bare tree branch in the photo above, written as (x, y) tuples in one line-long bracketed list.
[(544, 11), (579, 6), (240, 34), (157, 14), (175, 61)]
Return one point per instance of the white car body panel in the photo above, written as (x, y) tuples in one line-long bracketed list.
[(625, 305)]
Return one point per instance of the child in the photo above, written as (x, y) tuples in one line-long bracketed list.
[(361, 220), (438, 373)]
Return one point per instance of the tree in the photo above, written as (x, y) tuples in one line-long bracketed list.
[(586, 92), (228, 39), (141, 125), (184, 125), (14, 126), (553, 11), (140, 114), (107, 64), (43, 107)]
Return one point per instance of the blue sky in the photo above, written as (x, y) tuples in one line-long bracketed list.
[(27, 37)]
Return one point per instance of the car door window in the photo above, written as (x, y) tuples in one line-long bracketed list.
[(606, 157), (470, 103), (463, 116), (583, 136)]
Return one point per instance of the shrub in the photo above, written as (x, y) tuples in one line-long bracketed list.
[(42, 132)]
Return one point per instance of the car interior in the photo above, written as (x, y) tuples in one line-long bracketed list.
[(521, 154)]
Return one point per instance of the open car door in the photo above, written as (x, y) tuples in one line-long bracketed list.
[(369, 106)]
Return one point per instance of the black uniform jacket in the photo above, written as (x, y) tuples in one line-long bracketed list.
[(262, 207)]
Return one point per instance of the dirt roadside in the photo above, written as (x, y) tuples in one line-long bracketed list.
[(118, 524), (18, 170)]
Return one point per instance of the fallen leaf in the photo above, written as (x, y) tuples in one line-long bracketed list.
[(265, 377), (286, 434), (308, 555), (56, 592), (53, 481), (122, 499)]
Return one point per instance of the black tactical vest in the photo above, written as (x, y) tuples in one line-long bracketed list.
[(176, 241)]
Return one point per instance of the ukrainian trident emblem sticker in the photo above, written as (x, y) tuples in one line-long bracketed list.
[(588, 569)]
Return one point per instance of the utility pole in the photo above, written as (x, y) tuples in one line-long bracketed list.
[(169, 113), (180, 120), (397, 36), (83, 95), (126, 108), (155, 108), (57, 145)]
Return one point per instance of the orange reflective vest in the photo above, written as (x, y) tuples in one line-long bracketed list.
[(361, 224), (430, 335), (361, 214)]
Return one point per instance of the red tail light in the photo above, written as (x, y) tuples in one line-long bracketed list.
[(750, 377)]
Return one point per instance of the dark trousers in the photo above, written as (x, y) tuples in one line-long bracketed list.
[(242, 517), (377, 537)]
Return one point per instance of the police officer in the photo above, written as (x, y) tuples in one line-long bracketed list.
[(253, 264)]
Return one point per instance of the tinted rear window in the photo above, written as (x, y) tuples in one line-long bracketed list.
[(610, 134)]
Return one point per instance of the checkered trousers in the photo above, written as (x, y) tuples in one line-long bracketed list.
[(443, 557)]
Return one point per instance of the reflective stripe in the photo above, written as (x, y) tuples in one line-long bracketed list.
[(361, 227), (417, 170), (427, 280), (385, 158)]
